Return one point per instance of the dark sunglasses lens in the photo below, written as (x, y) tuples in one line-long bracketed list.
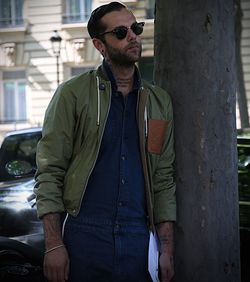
[(137, 28), (121, 32)]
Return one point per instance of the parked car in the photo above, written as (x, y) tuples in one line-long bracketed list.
[(17, 167), (244, 179), (21, 233), (19, 146), (243, 145)]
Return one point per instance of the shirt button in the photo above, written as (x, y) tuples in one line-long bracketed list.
[(123, 181), (120, 204), (123, 158)]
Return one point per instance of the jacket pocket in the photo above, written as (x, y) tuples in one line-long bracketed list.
[(156, 135)]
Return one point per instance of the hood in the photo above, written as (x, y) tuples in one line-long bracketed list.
[(16, 192), (17, 208)]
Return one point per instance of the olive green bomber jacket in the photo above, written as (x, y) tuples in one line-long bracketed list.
[(72, 132)]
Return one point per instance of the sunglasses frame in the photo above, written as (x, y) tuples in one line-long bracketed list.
[(133, 27)]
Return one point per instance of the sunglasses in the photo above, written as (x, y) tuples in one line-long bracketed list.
[(121, 31)]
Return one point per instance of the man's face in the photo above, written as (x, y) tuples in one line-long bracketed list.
[(122, 52)]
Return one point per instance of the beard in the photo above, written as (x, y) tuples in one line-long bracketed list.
[(124, 57)]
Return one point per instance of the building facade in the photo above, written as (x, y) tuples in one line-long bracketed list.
[(30, 68)]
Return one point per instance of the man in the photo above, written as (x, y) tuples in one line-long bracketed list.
[(106, 159)]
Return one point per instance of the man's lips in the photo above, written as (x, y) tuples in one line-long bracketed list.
[(133, 47)]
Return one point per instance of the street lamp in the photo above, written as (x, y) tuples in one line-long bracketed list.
[(55, 40)]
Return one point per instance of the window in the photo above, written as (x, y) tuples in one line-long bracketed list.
[(77, 11), (18, 146), (150, 9), (13, 100), (11, 13)]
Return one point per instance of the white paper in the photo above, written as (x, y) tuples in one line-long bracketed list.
[(153, 257)]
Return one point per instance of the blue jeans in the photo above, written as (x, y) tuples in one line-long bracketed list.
[(102, 252)]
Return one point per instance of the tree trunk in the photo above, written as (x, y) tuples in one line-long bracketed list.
[(195, 63), (241, 90)]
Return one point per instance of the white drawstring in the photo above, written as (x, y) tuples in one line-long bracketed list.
[(146, 121), (98, 102), (64, 222)]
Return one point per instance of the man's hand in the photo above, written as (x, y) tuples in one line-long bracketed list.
[(56, 259), (166, 239), (56, 265), (166, 267)]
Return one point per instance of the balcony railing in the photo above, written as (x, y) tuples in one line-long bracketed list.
[(75, 18), (11, 22)]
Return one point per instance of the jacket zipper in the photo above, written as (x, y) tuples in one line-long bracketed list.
[(142, 120)]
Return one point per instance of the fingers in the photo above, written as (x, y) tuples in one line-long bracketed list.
[(166, 268), (66, 272), (167, 276), (55, 275)]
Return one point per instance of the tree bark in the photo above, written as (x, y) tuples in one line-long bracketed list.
[(195, 63)]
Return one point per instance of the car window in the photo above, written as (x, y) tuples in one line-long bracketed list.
[(244, 154), (18, 147), (244, 180)]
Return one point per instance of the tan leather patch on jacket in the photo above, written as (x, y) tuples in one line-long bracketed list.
[(156, 135)]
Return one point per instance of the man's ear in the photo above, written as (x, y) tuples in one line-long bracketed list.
[(99, 45)]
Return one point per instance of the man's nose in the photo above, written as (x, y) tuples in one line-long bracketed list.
[(131, 35)]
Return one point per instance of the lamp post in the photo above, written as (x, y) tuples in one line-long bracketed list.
[(55, 40)]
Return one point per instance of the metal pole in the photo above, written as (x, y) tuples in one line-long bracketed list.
[(57, 69), (56, 46)]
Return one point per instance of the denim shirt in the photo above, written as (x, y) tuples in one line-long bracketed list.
[(115, 192)]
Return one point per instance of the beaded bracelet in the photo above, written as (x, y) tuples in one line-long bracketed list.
[(54, 248)]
